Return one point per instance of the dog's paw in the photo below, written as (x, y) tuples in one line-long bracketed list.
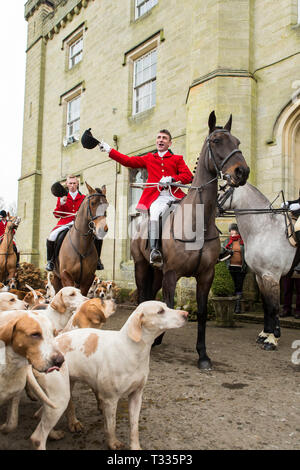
[(116, 445), (75, 426), (56, 435)]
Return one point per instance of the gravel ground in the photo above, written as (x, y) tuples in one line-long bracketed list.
[(250, 400)]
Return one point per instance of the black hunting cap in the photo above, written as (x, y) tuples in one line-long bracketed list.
[(88, 141), (3, 213), (58, 190)]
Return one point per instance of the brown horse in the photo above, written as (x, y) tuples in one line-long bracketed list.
[(77, 260), (8, 258), (219, 157)]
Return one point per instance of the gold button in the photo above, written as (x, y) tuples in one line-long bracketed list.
[(163, 171)]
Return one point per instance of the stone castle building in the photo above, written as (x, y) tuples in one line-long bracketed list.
[(128, 68)]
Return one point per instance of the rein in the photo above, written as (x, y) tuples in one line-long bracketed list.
[(229, 213), (91, 224)]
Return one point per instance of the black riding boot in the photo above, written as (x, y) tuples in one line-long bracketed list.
[(237, 307), (50, 255), (297, 268), (17, 255), (155, 254), (98, 245)]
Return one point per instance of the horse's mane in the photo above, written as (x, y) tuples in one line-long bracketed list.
[(262, 198)]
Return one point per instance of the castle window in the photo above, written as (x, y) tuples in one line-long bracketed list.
[(144, 82), (142, 6), (73, 118), (75, 52)]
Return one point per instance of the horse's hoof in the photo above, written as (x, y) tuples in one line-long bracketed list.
[(269, 347), (204, 364)]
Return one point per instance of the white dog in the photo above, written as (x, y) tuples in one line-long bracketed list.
[(114, 364)]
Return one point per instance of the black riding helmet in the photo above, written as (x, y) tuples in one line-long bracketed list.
[(3, 213), (58, 190), (88, 141)]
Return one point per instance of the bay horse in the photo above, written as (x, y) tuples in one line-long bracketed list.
[(8, 258), (77, 260), (219, 157), (268, 252)]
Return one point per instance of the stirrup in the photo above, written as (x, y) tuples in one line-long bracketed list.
[(49, 266)]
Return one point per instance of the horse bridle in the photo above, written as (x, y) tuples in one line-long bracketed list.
[(221, 201), (91, 224), (212, 156)]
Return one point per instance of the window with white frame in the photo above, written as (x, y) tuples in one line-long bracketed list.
[(298, 19), (75, 51), (142, 6), (73, 118), (144, 82)]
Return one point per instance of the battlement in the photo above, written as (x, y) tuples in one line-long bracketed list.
[(32, 5)]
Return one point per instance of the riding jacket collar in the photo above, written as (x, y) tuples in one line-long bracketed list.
[(167, 154)]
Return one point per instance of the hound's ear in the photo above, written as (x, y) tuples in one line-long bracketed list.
[(90, 189), (103, 189), (58, 303), (228, 124), (212, 122), (6, 331), (135, 327)]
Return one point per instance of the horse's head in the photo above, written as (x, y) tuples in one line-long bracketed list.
[(225, 157), (13, 222), (96, 206)]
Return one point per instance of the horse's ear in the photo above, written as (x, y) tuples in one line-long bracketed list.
[(103, 189), (212, 122), (228, 124), (90, 189), (8, 215)]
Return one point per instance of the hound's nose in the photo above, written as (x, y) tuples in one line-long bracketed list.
[(26, 305), (57, 360), (184, 313)]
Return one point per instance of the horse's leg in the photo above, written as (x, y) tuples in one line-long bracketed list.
[(270, 293), (143, 279), (157, 282), (168, 286), (66, 279), (204, 281), (56, 282)]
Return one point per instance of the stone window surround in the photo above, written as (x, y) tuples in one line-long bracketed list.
[(69, 40), (132, 55), (65, 99)]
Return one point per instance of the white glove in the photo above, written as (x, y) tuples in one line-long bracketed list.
[(63, 200), (104, 147), (284, 205), (295, 206), (166, 179)]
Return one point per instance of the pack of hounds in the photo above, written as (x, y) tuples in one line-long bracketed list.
[(49, 340)]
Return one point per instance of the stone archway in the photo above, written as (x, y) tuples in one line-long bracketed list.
[(287, 138)]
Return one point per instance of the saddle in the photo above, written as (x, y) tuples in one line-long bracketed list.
[(59, 240)]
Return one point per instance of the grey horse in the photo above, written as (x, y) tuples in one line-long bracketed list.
[(267, 251)]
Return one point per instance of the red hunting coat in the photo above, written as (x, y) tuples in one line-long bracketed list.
[(157, 167), (71, 205), (3, 224)]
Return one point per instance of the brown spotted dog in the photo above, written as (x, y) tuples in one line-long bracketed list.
[(34, 299), (91, 293), (3, 287), (101, 291), (50, 291), (93, 313), (112, 290), (19, 293), (9, 301)]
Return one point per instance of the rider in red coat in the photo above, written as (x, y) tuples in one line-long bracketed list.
[(163, 167), (3, 223), (65, 207)]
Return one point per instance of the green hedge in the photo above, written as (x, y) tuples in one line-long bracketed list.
[(222, 285)]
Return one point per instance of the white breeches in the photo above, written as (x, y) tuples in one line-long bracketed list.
[(53, 235), (160, 204)]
